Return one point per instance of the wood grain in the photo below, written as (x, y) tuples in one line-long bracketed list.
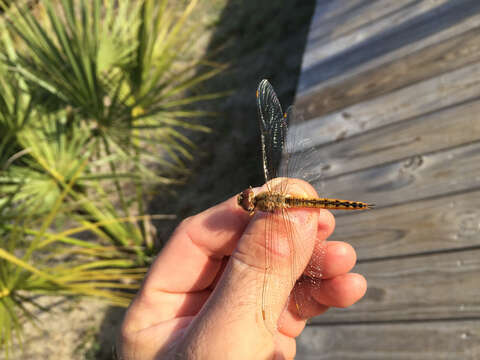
[(447, 128), (409, 102), (391, 93), (434, 225), (338, 26), (439, 58), (438, 286), (452, 340), (396, 37), (307, 87), (414, 178)]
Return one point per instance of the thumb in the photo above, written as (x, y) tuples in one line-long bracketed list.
[(255, 286), (278, 246)]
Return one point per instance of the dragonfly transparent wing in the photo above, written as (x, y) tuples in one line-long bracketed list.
[(300, 160), (273, 128), (279, 230)]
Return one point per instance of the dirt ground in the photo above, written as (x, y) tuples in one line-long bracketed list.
[(257, 40)]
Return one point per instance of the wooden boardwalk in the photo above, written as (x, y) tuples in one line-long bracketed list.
[(390, 90)]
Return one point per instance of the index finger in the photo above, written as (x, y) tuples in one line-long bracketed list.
[(193, 255)]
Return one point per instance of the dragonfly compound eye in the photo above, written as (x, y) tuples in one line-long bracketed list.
[(246, 200)]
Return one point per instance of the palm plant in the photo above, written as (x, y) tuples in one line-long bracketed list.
[(93, 114)]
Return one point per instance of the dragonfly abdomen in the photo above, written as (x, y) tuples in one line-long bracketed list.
[(325, 203)]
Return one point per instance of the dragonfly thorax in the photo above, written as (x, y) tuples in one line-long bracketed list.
[(264, 201), (270, 201)]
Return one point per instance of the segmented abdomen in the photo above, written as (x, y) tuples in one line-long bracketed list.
[(325, 203)]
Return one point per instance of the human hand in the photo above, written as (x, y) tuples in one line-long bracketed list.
[(202, 296)]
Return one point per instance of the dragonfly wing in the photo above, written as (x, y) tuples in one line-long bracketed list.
[(273, 128), (298, 270), (301, 159), (282, 236), (307, 263)]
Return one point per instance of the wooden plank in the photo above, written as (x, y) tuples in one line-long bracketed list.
[(440, 224), (396, 37), (450, 340), (333, 20), (391, 90), (327, 11), (458, 28), (449, 127), (440, 286), (414, 178), (454, 53), (418, 99), (335, 29)]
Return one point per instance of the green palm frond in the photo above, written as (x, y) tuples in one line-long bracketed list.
[(97, 101), (116, 66)]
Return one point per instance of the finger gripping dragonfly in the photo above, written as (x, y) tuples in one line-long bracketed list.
[(273, 130)]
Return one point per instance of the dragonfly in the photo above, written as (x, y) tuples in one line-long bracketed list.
[(276, 201)]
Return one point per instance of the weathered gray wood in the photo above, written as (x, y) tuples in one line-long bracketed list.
[(305, 86), (340, 25), (406, 103), (450, 127), (445, 223), (452, 340), (391, 91), (439, 286), (415, 29), (414, 178), (453, 53), (333, 20), (327, 14)]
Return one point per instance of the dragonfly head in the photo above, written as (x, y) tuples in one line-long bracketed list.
[(246, 199)]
